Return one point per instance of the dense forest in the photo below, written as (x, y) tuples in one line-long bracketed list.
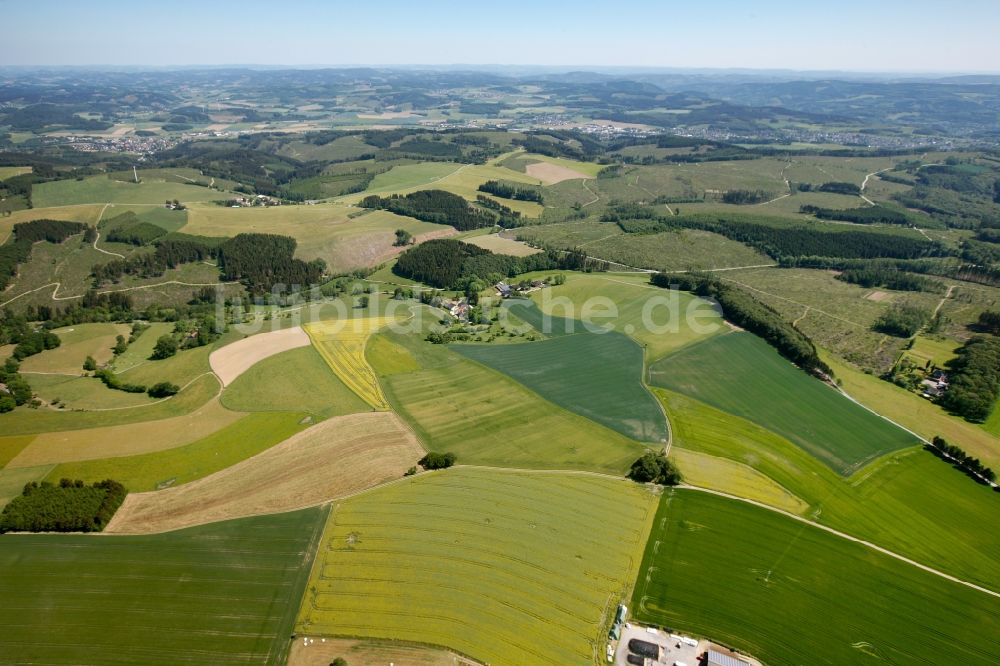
[(742, 309), (870, 215), (445, 263), (70, 506), (507, 191), (974, 379), (265, 262), (780, 240), (436, 206)]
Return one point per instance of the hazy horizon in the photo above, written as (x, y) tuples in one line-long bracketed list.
[(895, 37)]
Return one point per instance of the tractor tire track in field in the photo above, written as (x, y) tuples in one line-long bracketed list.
[(848, 537)]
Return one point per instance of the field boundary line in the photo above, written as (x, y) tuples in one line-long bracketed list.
[(844, 535)]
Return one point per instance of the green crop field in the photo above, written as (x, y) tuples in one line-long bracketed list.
[(911, 502), (103, 189), (595, 375), (486, 418), (789, 593), (507, 567), (660, 321), (742, 374), (922, 416), (218, 594), (295, 380), (237, 441)]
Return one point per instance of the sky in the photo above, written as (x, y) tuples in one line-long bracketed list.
[(852, 35)]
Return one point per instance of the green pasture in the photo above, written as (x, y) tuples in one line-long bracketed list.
[(297, 380), (103, 189), (741, 374), (506, 567), (595, 375), (218, 594), (789, 593), (486, 418)]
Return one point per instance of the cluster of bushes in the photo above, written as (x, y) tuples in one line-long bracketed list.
[(974, 379), (35, 343), (837, 187), (747, 312), (113, 381), (870, 215), (70, 506), (27, 234), (881, 275), (989, 320), (746, 197), (434, 460), (263, 262), (506, 191), (655, 467), (973, 467), (902, 320), (18, 390), (435, 206)]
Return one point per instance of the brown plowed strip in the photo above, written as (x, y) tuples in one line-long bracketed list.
[(550, 174), (336, 458), (234, 359)]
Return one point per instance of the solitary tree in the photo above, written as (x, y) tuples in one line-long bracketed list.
[(121, 344), (165, 347), (403, 237), (89, 364)]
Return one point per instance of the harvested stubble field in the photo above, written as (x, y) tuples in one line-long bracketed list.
[(848, 604), (127, 439), (342, 345), (507, 567), (234, 359), (336, 458), (218, 594)]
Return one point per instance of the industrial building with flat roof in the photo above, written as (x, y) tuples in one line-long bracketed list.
[(719, 659)]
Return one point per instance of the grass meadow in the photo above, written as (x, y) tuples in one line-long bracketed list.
[(741, 374), (225, 593), (298, 380), (506, 567), (103, 189), (683, 250), (789, 593)]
